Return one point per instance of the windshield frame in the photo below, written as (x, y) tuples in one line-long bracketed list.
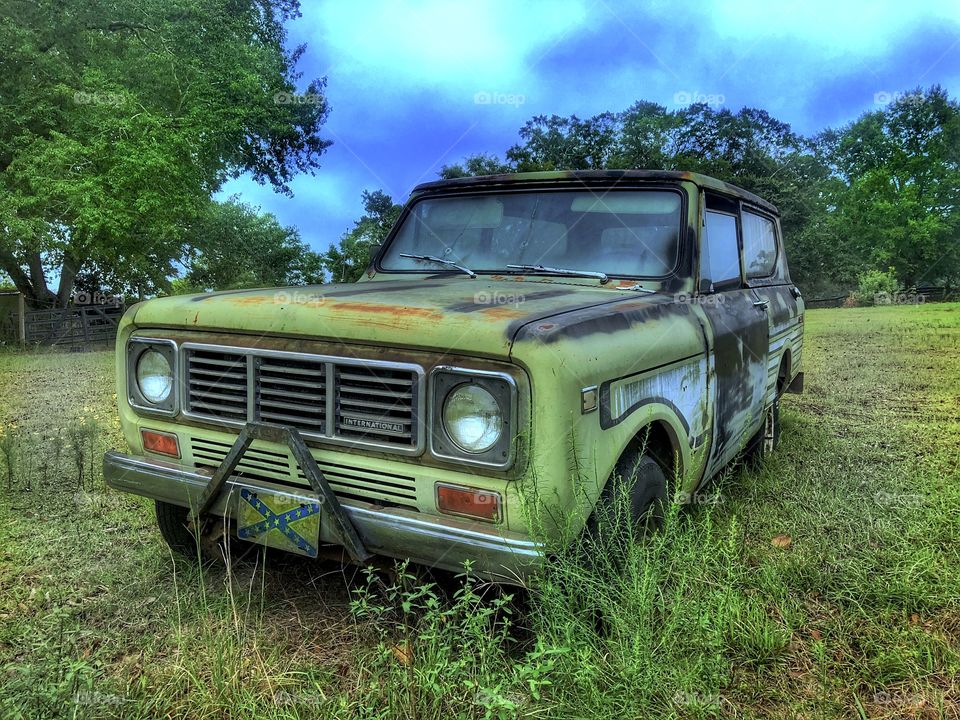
[(682, 239)]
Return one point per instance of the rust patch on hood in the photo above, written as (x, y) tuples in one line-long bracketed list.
[(502, 313), (394, 311), (253, 300)]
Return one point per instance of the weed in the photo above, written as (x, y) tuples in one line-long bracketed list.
[(823, 585)]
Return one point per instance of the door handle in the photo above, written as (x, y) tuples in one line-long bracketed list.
[(762, 304)]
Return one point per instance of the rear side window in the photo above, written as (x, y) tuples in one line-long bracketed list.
[(759, 245), (720, 255)]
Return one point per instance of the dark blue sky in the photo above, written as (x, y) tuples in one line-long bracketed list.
[(414, 86)]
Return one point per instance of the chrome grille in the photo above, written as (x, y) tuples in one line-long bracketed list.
[(347, 481), (375, 404), (292, 392), (217, 384), (339, 400)]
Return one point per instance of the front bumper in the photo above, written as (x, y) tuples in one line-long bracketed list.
[(431, 540)]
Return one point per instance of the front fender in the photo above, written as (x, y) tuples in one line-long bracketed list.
[(647, 362)]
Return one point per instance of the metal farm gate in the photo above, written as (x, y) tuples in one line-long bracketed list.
[(78, 326)]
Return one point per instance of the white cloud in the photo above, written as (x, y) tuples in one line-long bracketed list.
[(391, 46), (833, 28)]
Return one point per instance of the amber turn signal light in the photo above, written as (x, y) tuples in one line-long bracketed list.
[(470, 502), (160, 442)]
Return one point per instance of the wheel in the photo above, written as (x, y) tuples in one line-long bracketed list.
[(767, 438), (173, 523), (634, 498)]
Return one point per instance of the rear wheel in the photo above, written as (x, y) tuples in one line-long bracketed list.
[(767, 438)]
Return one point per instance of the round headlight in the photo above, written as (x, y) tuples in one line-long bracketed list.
[(154, 376), (472, 418)]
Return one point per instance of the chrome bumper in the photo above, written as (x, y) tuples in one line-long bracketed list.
[(427, 539)]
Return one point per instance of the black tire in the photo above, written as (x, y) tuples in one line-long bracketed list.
[(767, 438), (635, 497), (215, 544), (173, 523)]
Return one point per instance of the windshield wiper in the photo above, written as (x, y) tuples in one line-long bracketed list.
[(602, 277), (440, 261), (639, 288)]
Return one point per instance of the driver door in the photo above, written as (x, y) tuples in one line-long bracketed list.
[(737, 317)]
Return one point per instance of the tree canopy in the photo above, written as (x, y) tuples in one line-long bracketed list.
[(348, 260), (234, 246), (121, 119)]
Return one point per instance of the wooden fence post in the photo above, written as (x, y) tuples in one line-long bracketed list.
[(22, 318), (86, 325)]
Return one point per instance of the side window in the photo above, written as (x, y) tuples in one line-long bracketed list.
[(759, 245), (720, 258)]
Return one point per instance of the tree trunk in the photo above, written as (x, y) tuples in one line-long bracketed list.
[(38, 278), (68, 274), (37, 295)]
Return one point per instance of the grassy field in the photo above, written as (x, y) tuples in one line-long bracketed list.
[(824, 584)]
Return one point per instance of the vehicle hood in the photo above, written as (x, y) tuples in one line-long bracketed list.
[(477, 317)]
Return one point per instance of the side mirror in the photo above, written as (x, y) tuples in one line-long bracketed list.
[(706, 287)]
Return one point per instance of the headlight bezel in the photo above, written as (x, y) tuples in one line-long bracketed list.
[(136, 348), (444, 379)]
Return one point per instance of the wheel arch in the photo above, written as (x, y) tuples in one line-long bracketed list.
[(663, 435), (784, 372), (659, 440)]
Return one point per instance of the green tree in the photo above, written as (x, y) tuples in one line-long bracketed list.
[(649, 134), (558, 143), (235, 246), (901, 166), (474, 165), (121, 118), (347, 261)]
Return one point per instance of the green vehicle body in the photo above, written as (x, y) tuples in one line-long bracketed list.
[(690, 371)]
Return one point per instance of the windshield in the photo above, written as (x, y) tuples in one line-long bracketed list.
[(623, 233)]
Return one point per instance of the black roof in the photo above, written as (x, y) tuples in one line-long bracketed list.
[(592, 177)]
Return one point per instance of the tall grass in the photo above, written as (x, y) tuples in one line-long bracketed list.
[(823, 583)]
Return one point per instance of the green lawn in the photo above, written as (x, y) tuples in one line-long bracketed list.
[(824, 584)]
